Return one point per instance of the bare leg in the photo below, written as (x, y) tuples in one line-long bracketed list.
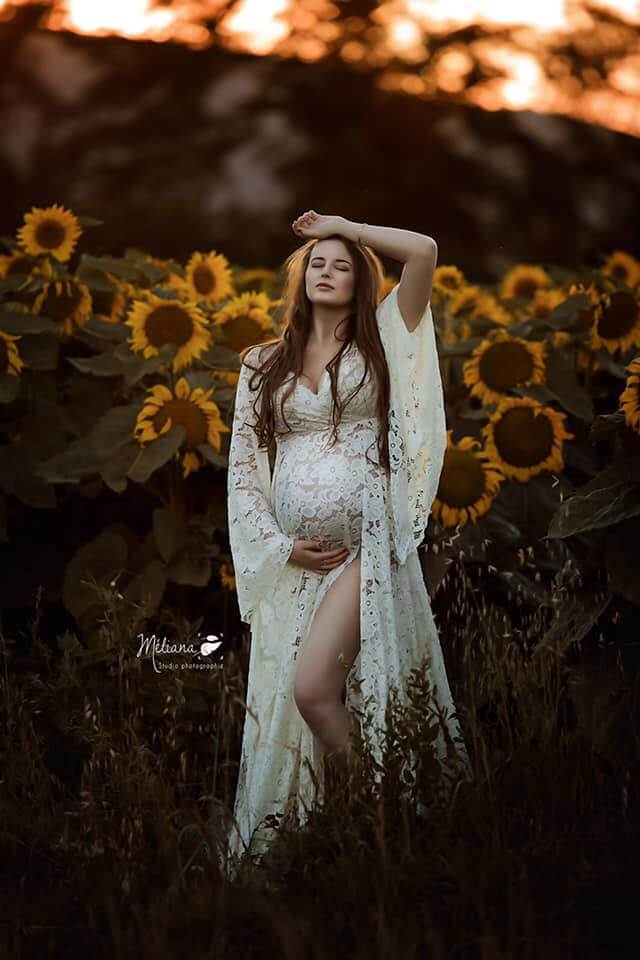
[(330, 649)]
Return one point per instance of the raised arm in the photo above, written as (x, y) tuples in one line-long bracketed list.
[(417, 251)]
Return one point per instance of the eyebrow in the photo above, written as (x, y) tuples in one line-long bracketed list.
[(338, 260)]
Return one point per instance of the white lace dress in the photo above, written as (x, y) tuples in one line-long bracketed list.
[(339, 494)]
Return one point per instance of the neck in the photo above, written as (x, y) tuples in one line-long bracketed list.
[(325, 326)]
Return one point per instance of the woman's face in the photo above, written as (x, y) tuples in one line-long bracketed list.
[(331, 263)]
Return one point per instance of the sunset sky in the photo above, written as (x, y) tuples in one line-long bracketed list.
[(414, 46)]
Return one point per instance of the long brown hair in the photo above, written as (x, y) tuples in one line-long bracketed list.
[(287, 351)]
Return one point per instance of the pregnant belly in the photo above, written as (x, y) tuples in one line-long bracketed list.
[(320, 499)]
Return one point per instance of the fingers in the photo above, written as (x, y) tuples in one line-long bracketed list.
[(329, 554), (326, 567), (304, 219)]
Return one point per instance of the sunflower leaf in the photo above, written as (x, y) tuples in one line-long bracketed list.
[(566, 313), (72, 465), (212, 455), (604, 359), (114, 470), (116, 265), (576, 617), (600, 508), (156, 453), (169, 533), (141, 368), (17, 323), (102, 365), (9, 387), (147, 589), (564, 387), (105, 331), (12, 282), (113, 430), (191, 570)]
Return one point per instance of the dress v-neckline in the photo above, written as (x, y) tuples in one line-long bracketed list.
[(313, 393), (325, 373)]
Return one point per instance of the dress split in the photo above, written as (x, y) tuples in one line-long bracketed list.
[(340, 494)]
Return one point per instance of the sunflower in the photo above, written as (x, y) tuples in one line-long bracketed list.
[(468, 301), (623, 266), (447, 278), (189, 407), (469, 483), (10, 361), (617, 324), (208, 277), (463, 332), (630, 396), (544, 301), (472, 303), (228, 376), (164, 274), (67, 302), (51, 230), (156, 322), (227, 576), (108, 292), (245, 319), (16, 263), (524, 437), (501, 363), (560, 338), (587, 316), (256, 275), (522, 280)]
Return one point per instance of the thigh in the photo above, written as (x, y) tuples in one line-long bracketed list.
[(333, 641)]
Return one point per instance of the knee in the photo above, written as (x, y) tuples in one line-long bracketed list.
[(305, 694), (309, 698)]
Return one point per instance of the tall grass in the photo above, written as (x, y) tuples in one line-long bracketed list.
[(112, 775)]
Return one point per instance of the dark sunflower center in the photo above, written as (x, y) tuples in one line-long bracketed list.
[(467, 307), (619, 270), (525, 287), (168, 323), (461, 480), (190, 416), (523, 439), (585, 318), (103, 301), (504, 365), (448, 281), (50, 234), (242, 330), (19, 265), (203, 279), (4, 356), (619, 318), (59, 306)]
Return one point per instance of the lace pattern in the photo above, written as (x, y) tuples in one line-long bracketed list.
[(340, 495), (258, 546)]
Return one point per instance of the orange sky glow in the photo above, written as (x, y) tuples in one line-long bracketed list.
[(522, 66)]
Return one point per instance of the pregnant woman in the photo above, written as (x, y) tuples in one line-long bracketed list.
[(325, 551)]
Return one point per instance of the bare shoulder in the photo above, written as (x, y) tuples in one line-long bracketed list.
[(260, 352)]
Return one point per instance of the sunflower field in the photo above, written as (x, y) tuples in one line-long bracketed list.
[(117, 380)]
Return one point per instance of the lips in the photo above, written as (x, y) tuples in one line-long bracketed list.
[(327, 286)]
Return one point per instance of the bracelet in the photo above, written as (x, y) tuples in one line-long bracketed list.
[(362, 226)]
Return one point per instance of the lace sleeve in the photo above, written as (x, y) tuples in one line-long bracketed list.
[(258, 547), (417, 424)]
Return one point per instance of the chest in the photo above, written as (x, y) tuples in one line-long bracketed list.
[(314, 366)]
